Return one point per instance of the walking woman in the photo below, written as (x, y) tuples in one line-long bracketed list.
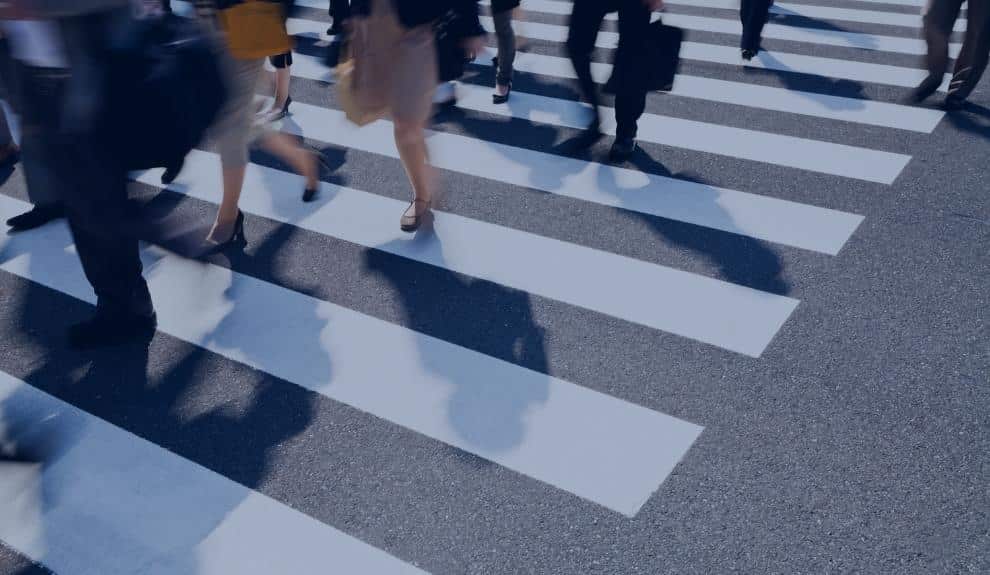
[(395, 60), (251, 35), (754, 14), (506, 37), (283, 73)]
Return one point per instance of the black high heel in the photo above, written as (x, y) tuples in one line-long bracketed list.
[(236, 238), (309, 194), (502, 98)]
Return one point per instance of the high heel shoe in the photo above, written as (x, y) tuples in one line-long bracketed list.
[(309, 194), (502, 98), (236, 236), (411, 222)]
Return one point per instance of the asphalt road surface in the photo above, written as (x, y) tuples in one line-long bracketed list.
[(760, 346)]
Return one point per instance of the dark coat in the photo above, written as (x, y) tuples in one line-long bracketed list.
[(413, 13), (499, 6)]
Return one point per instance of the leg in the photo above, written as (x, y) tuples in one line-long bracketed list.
[(302, 161), (410, 139), (630, 98), (754, 15), (972, 60), (939, 17), (585, 21), (506, 48), (234, 133)]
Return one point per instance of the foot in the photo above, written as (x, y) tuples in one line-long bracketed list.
[(445, 96), (953, 103), (748, 54), (9, 153), (622, 149), (226, 230), (587, 138), (106, 329), (36, 217), (501, 94), (923, 91), (414, 215), (172, 171)]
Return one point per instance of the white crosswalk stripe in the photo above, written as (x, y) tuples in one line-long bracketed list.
[(567, 436)]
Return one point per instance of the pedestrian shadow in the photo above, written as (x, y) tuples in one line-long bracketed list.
[(544, 171), (812, 86), (972, 118), (486, 410), (785, 17), (228, 424), (740, 259)]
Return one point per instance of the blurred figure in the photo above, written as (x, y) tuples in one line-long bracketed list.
[(15, 73), (502, 11), (395, 49), (283, 74), (72, 113), (939, 18), (236, 130), (340, 11), (754, 15), (630, 97)]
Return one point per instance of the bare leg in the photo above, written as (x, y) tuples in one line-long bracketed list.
[(301, 160), (410, 139), (223, 226)]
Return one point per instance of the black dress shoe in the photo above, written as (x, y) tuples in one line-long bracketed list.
[(924, 90), (953, 103), (172, 171), (748, 54), (36, 217), (587, 138), (107, 329), (622, 149)]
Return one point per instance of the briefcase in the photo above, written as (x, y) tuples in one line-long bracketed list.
[(653, 68)]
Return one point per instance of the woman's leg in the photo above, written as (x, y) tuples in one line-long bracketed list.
[(301, 160), (410, 139)]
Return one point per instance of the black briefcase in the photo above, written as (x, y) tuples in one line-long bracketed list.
[(655, 67)]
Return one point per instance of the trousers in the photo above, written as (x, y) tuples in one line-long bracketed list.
[(634, 22), (753, 14), (939, 18)]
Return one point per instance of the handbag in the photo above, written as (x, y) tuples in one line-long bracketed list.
[(358, 98), (451, 58), (255, 29)]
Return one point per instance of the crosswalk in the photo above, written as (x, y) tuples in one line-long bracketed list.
[(569, 437)]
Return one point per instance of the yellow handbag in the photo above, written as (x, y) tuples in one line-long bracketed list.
[(255, 29)]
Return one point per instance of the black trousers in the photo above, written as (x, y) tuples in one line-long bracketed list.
[(634, 22), (93, 174), (754, 15), (340, 10)]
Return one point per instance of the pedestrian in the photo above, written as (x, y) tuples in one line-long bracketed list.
[(282, 76), (340, 11), (22, 68), (505, 36), (394, 47), (939, 19), (66, 93), (630, 98), (236, 129), (754, 15)]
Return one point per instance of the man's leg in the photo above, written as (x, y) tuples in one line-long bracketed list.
[(586, 19), (972, 60), (939, 18), (630, 97)]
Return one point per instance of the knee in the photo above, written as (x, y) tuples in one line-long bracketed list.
[(408, 133)]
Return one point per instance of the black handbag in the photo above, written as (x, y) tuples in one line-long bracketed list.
[(166, 86), (656, 66)]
